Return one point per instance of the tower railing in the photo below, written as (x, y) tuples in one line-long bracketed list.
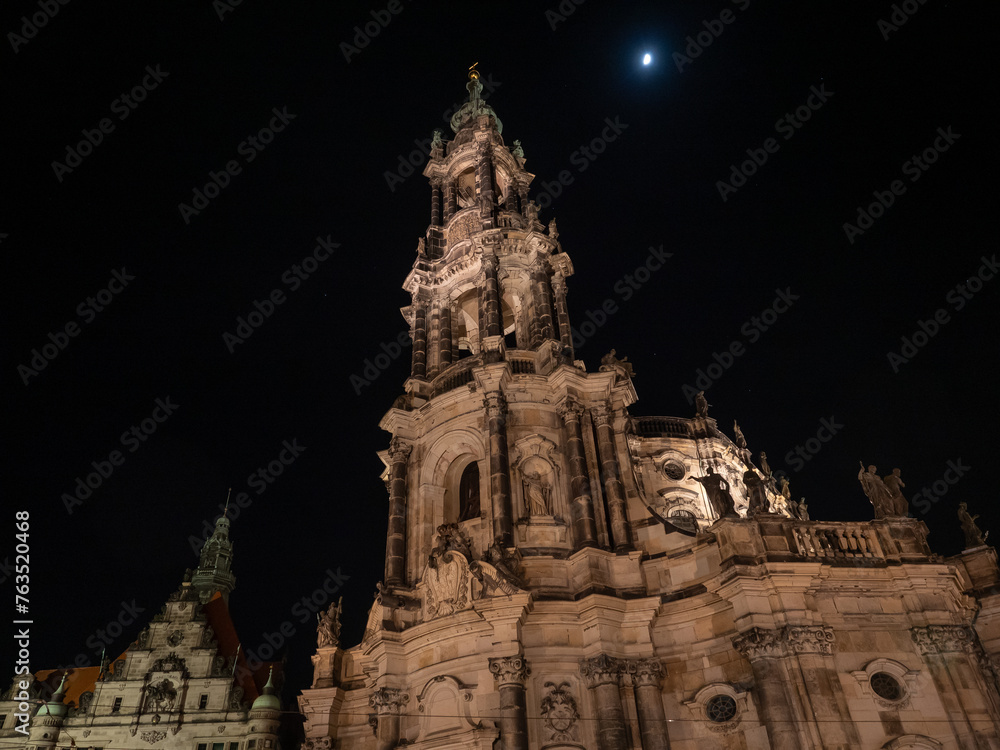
[(661, 427)]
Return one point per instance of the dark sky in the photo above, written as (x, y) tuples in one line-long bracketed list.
[(347, 123)]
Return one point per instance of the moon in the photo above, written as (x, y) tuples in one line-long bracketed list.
[(647, 59)]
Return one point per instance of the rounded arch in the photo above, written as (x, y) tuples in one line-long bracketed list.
[(446, 462)]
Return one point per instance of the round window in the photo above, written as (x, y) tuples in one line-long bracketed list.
[(721, 708), (673, 470), (886, 686)]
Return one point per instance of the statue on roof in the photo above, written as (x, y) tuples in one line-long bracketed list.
[(756, 495), (973, 536), (895, 485), (611, 363), (701, 405), (328, 626), (878, 493), (741, 441), (717, 490), (517, 151)]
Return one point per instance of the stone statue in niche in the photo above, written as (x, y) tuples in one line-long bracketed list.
[(973, 536), (717, 490), (536, 494), (328, 626)]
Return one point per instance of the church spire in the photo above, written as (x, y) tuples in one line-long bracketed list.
[(214, 572)]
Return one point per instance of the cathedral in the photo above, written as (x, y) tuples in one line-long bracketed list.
[(562, 573)]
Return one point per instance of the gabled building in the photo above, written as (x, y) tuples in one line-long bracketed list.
[(561, 573), (183, 683)]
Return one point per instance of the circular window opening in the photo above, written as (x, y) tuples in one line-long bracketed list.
[(721, 708), (673, 470), (683, 519), (886, 686)]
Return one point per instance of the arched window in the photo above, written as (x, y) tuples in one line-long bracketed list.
[(468, 493)]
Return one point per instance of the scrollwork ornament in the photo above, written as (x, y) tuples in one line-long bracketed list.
[(601, 670), (759, 643), (941, 639), (399, 450), (510, 670), (646, 672), (810, 640), (388, 700)]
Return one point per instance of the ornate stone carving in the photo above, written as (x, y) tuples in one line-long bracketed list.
[(447, 574), (175, 638), (142, 640), (328, 626), (611, 363), (973, 536), (169, 663), (496, 405), (601, 670), (152, 736), (510, 670), (943, 639), (537, 494), (559, 712), (236, 698), (570, 409), (388, 700), (399, 450), (84, 701), (160, 697), (760, 643), (322, 743), (810, 640), (646, 672)]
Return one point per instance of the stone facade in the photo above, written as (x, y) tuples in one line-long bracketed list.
[(182, 684), (562, 574)]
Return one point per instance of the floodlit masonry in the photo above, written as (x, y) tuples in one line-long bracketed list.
[(562, 573)]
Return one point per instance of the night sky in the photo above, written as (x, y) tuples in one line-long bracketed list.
[(837, 103)]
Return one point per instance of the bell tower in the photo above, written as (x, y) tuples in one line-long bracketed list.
[(498, 422)]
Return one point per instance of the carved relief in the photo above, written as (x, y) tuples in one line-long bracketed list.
[(941, 639), (447, 574), (510, 670), (388, 700), (810, 640), (160, 698), (601, 670), (169, 663), (152, 737), (646, 672), (760, 643), (559, 712)]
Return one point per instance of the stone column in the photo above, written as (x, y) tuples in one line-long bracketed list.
[(489, 309), (582, 503), (418, 367), (542, 294), (434, 340), (436, 202), (522, 195), (646, 677), (614, 491), (940, 646), (562, 313), (510, 200), (387, 702), (511, 673), (764, 650), (395, 553), (603, 676), (450, 200), (444, 341), (484, 183), (811, 649), (503, 521)]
